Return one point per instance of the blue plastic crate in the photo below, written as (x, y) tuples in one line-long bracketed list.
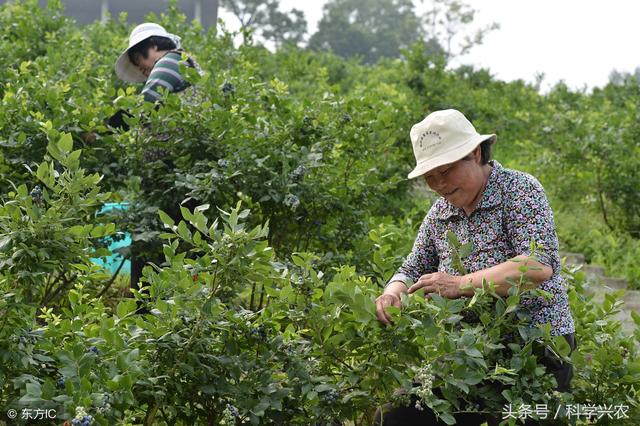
[(112, 262)]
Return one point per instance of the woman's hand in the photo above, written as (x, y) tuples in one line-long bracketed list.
[(439, 283), (384, 301)]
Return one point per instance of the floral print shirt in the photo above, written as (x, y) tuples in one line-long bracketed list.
[(513, 212)]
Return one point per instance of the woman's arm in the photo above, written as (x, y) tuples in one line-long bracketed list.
[(535, 275), (452, 286)]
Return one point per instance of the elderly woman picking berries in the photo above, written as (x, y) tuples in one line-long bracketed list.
[(500, 212)]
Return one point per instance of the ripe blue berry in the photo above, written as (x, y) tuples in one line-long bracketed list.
[(298, 173), (332, 396), (291, 201), (233, 410), (228, 88), (36, 194)]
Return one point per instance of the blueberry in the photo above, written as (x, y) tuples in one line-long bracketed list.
[(331, 396), (76, 422), (298, 173), (36, 194), (228, 88), (94, 350), (233, 410), (223, 163), (60, 382), (291, 201)]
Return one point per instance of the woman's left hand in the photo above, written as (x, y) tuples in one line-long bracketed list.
[(439, 283)]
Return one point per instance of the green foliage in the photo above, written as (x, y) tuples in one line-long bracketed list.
[(45, 230), (233, 332), (617, 251), (606, 354)]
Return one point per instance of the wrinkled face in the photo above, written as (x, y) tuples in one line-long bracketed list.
[(145, 65), (461, 182)]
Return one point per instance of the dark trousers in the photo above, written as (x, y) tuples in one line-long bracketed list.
[(138, 262), (136, 271), (410, 416)]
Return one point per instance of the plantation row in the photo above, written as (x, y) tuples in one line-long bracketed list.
[(278, 200)]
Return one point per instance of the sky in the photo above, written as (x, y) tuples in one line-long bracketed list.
[(577, 41)]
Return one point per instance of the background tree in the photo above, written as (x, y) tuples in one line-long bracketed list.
[(268, 21), (382, 28), (447, 22), (619, 78), (371, 29)]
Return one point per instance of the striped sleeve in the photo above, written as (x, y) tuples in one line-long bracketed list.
[(165, 75)]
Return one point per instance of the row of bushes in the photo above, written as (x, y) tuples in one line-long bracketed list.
[(233, 334)]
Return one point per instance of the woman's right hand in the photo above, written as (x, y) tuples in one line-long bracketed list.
[(384, 301)]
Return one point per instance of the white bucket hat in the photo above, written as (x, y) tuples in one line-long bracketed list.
[(443, 137), (124, 68)]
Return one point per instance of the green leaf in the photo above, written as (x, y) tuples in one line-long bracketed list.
[(98, 231), (183, 231), (65, 143), (43, 172), (512, 303), (453, 239), (447, 418), (4, 242), (126, 307), (186, 214), (78, 230), (466, 249), (34, 389), (473, 352), (473, 378), (166, 219)]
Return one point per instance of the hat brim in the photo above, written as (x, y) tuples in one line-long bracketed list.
[(450, 156), (126, 71)]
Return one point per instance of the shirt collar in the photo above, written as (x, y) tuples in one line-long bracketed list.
[(491, 197)]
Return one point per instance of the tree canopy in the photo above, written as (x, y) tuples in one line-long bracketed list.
[(268, 21), (374, 29)]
